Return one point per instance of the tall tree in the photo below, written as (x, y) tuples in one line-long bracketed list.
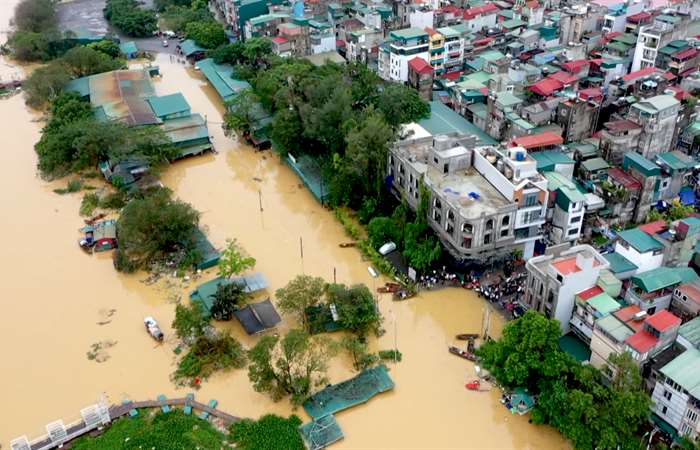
[(241, 112), (401, 104), (293, 365), (208, 34), (234, 260), (299, 294), (356, 308)]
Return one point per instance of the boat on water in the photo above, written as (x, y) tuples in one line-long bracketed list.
[(153, 329), (99, 237), (347, 244), (403, 294), (467, 336), (461, 353)]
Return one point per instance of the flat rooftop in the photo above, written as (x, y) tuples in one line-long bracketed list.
[(468, 192)]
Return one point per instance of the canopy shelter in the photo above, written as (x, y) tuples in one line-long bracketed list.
[(321, 433), (258, 317)]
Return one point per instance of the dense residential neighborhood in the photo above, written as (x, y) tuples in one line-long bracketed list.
[(534, 159)]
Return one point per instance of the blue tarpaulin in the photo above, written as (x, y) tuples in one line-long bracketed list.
[(687, 196)]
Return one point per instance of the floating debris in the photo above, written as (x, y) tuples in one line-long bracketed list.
[(105, 316), (98, 351)]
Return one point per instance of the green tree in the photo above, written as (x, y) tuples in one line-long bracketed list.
[(234, 260), (293, 365), (527, 353), (154, 227), (189, 322), (678, 211), (382, 230), (356, 308), (176, 18), (38, 16), (106, 46), (130, 18), (359, 352), (240, 114), (209, 354), (208, 34), (269, 432), (401, 104), (227, 299), (67, 108), (29, 46), (45, 84), (299, 294), (287, 130)]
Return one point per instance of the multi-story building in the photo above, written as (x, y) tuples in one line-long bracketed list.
[(686, 301), (647, 174), (472, 218), (554, 279), (360, 42), (566, 208), (676, 395), (679, 58), (676, 173), (621, 192), (420, 78), (591, 304), (321, 37), (664, 29), (403, 46), (657, 118), (437, 50), (480, 17), (617, 16), (454, 49), (617, 138), (514, 173), (652, 290)]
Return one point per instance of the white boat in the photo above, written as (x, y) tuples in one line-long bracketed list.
[(153, 328)]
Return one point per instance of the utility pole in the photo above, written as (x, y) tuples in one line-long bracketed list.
[(301, 252)]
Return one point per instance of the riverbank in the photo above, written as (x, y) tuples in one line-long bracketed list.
[(56, 296)]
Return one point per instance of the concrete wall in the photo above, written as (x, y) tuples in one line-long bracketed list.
[(675, 407), (644, 261)]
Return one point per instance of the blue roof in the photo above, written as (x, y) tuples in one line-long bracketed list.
[(189, 47), (128, 48), (443, 120)]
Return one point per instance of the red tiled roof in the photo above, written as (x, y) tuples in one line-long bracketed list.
[(654, 227), (538, 140), (640, 73), (575, 66), (626, 315), (483, 41), (452, 75), (639, 17), (486, 8), (691, 291), (663, 320), (612, 34), (688, 71), (567, 266), (546, 87), (450, 9), (590, 292), (621, 125), (624, 178), (279, 40), (420, 65), (563, 77), (532, 4), (687, 53), (642, 341), (589, 93), (669, 76)]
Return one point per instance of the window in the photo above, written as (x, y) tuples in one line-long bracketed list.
[(489, 224), (530, 200), (467, 228), (576, 219), (487, 239), (667, 395), (450, 215), (560, 278), (467, 242), (692, 415), (505, 221), (445, 168), (664, 409), (573, 231), (685, 429), (436, 203), (504, 233)]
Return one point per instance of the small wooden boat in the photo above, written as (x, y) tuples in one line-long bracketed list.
[(389, 288), (403, 294), (461, 353), (383, 290), (95, 218), (467, 336), (473, 385)]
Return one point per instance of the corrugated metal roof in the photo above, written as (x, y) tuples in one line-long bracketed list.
[(603, 304), (641, 241), (619, 264), (637, 161), (185, 129), (691, 331), (168, 104), (595, 164), (220, 76), (663, 277), (443, 120), (614, 327), (685, 370), (190, 47)]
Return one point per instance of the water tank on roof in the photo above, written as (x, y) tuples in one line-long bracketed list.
[(299, 8), (520, 155), (441, 142)]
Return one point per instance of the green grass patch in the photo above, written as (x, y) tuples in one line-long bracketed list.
[(270, 432), (163, 431), (72, 186), (390, 355), (89, 204)]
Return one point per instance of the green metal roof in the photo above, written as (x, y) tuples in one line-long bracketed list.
[(585, 149), (567, 192), (189, 47), (491, 55), (595, 164), (668, 19), (443, 120), (614, 327), (640, 163), (409, 33), (619, 46), (663, 277), (604, 304), (685, 370), (640, 240), (691, 331), (677, 160), (79, 85), (619, 264), (220, 76), (653, 105), (169, 104), (448, 32), (128, 48), (508, 99), (478, 109), (265, 18), (547, 160), (627, 38), (513, 23)]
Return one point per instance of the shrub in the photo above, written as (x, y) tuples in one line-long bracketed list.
[(270, 432), (89, 204), (209, 354), (130, 18)]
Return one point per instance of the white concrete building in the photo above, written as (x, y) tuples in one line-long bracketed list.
[(480, 17), (405, 45), (666, 28), (422, 17), (676, 395), (554, 280)]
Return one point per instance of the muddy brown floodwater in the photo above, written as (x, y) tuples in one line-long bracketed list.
[(59, 304)]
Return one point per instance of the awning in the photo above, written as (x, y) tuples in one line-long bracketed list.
[(664, 426)]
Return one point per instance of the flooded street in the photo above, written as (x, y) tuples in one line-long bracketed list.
[(57, 301)]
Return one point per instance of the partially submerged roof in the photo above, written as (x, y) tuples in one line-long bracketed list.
[(258, 317), (221, 77)]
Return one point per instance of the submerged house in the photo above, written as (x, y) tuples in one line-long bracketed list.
[(128, 96)]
